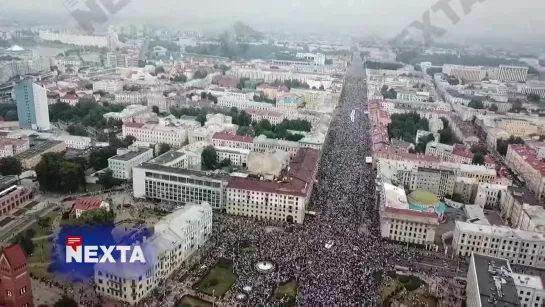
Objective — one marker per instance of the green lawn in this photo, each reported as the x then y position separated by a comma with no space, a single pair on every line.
42,252
19,212
39,272
191,301
218,280
287,291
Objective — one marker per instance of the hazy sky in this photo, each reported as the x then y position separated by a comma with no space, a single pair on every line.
495,18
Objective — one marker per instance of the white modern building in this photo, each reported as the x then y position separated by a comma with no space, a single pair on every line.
238,157
127,158
488,194
179,186
512,73
518,246
32,107
156,133
132,97
176,237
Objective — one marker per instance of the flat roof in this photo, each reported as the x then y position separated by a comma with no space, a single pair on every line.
38,149
130,155
167,157
530,281
495,284
501,231
187,172
523,196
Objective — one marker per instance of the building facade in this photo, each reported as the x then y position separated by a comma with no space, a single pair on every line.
32,107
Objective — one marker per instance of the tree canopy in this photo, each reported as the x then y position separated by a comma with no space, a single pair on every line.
478,158
381,65
476,104
502,145
405,126
55,173
10,166
87,113
163,147
209,158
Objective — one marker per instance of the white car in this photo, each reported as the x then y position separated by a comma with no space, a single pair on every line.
329,244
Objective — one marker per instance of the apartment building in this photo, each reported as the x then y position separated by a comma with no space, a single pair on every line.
488,194
10,147
532,87
118,59
463,131
180,159
522,209
530,290
404,219
518,127
512,73
176,237
12,198
437,181
264,144
465,188
518,246
523,160
462,154
179,186
440,150
127,158
108,86
31,157
284,198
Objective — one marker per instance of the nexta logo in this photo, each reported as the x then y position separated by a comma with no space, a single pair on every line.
76,252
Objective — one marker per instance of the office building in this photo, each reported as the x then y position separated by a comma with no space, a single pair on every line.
108,86
489,283
508,73
15,287
176,237
525,162
465,73
32,107
127,158
237,157
283,198
522,209
31,157
518,246
179,186
412,219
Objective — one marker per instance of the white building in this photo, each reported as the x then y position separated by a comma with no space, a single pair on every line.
109,86
180,159
176,237
122,163
127,114
156,133
518,246
466,73
488,194
240,104
530,289
532,87
179,186
512,73
238,157
32,106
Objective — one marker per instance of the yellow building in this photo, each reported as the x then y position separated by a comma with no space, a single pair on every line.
30,158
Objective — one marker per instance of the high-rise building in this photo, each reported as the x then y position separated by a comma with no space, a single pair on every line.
15,289
32,106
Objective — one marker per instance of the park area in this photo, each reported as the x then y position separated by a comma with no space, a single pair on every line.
287,293
192,301
407,290
218,280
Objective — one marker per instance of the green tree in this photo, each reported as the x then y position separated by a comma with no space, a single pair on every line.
445,121
209,158
179,79
423,142
204,95
11,115
321,88
98,158
77,130
163,147
97,216
155,109
446,136
10,166
199,74
493,108
66,301
533,97
225,162
159,70
476,104
478,158
294,137
107,180
502,145
246,131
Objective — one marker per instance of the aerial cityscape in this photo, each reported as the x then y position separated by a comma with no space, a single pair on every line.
167,160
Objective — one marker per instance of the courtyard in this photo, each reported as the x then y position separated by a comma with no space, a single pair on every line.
218,280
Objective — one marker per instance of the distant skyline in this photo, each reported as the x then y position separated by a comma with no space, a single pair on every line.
500,19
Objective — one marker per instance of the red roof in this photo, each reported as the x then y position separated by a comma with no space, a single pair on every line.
233,137
530,156
301,174
462,150
87,203
134,125
284,88
15,255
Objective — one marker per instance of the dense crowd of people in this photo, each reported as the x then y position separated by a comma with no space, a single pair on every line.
336,257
